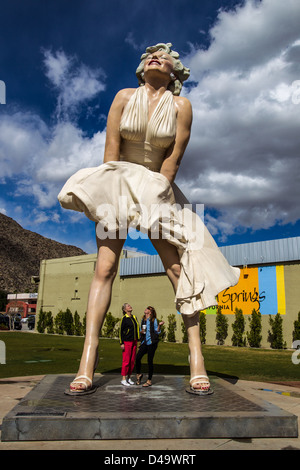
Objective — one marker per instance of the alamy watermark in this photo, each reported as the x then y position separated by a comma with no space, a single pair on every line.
167,221
2,92
2,353
296,354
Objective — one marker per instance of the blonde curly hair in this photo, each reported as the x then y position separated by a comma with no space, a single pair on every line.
181,72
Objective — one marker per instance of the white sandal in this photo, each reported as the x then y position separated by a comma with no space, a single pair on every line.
88,388
200,391
81,391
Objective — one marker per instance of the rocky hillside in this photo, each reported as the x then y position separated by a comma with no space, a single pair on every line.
21,252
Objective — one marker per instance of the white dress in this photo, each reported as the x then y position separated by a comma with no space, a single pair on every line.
132,193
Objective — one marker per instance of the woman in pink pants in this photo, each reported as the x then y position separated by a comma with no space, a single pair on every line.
129,335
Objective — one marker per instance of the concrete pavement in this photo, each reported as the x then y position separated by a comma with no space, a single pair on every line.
286,397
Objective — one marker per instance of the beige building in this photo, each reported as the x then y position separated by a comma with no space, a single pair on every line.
269,282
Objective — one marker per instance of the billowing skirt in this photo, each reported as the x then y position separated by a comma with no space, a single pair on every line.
123,195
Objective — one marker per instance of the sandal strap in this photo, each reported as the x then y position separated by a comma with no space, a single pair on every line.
82,377
200,377
147,384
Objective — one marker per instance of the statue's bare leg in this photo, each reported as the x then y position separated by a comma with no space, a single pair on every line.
170,259
98,303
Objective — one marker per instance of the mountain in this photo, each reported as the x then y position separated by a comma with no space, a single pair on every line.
21,252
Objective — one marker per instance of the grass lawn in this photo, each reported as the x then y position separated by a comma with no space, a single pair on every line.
38,354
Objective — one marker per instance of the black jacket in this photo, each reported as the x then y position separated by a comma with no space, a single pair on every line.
129,329
153,334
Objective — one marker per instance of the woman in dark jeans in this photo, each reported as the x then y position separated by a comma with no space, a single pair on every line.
150,329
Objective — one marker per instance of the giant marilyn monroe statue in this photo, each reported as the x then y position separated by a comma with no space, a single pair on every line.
148,129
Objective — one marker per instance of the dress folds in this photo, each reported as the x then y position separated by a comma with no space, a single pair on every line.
122,195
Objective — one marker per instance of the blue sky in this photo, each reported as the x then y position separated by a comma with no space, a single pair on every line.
63,61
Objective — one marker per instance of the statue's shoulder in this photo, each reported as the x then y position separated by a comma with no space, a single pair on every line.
182,101
183,105
125,94
121,98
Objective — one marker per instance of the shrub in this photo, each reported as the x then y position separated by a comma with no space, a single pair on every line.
64,322
276,335
41,324
49,323
221,327
254,337
77,324
59,323
171,328
84,325
108,330
68,322
296,332
163,333
202,327
238,327
45,322
184,333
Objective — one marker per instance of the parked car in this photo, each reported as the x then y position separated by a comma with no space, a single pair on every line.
18,322
4,322
31,322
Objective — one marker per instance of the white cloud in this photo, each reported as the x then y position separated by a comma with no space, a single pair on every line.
75,83
44,160
43,156
68,151
22,135
245,140
133,43
249,35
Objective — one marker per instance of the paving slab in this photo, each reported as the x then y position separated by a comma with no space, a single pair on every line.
163,411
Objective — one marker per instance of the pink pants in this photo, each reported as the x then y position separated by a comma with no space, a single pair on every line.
128,357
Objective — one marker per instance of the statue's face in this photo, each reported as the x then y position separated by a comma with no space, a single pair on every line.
159,60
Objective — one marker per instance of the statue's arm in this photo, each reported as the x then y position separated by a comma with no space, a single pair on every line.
113,137
176,151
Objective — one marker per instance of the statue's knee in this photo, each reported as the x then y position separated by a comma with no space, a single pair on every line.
106,272
176,270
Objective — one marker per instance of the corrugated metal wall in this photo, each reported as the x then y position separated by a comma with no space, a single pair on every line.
141,265
271,251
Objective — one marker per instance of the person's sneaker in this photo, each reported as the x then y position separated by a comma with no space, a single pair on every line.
130,381
124,382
